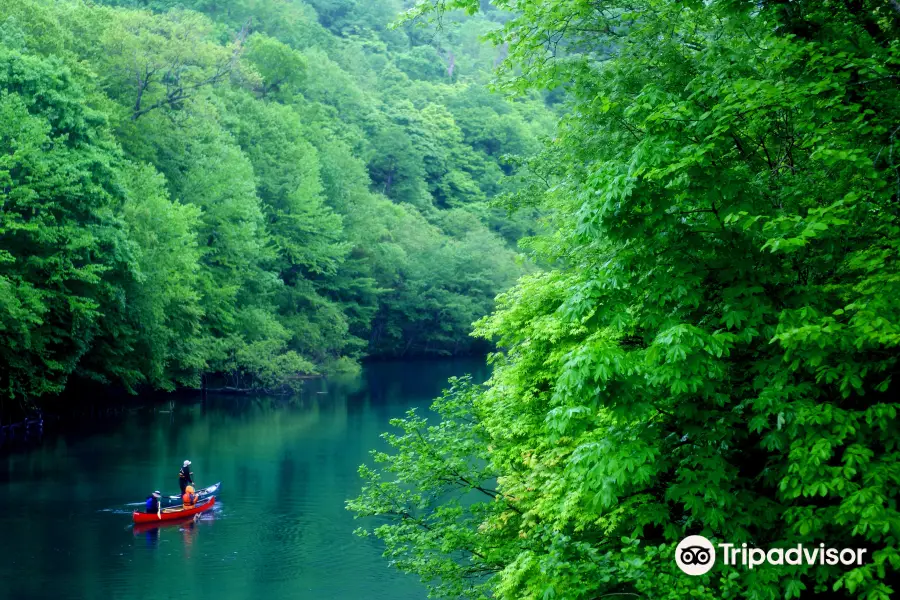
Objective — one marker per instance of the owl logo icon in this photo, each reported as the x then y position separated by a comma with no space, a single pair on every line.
695,555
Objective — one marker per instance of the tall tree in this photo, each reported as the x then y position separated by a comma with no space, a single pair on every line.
61,243
155,61
714,349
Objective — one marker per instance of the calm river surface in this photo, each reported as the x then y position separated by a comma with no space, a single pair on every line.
279,530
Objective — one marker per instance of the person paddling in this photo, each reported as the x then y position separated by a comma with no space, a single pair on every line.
185,476
153,505
189,498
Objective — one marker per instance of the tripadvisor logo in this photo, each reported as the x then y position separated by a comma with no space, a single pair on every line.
696,555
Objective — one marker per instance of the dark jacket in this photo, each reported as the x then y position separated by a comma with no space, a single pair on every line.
185,477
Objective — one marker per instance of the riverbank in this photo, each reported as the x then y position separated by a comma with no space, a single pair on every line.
27,431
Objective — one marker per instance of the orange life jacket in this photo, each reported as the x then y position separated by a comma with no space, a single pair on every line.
189,500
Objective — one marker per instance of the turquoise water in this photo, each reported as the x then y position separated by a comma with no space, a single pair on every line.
279,530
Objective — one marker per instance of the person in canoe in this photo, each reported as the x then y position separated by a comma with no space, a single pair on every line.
185,476
153,505
189,498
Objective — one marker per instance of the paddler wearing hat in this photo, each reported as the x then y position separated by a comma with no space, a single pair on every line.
153,503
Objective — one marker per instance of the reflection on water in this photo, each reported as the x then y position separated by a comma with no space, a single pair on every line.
185,523
279,528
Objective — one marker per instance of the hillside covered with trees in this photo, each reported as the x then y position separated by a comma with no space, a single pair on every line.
251,188
714,346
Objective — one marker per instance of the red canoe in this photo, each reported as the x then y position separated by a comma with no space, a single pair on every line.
170,514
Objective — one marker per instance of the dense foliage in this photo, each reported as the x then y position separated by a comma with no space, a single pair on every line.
255,189
713,351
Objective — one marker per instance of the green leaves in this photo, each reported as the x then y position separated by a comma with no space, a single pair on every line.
441,529
64,248
281,68
151,62
713,347
164,303
249,194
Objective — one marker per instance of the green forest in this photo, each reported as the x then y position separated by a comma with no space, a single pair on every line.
255,190
673,226
711,348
